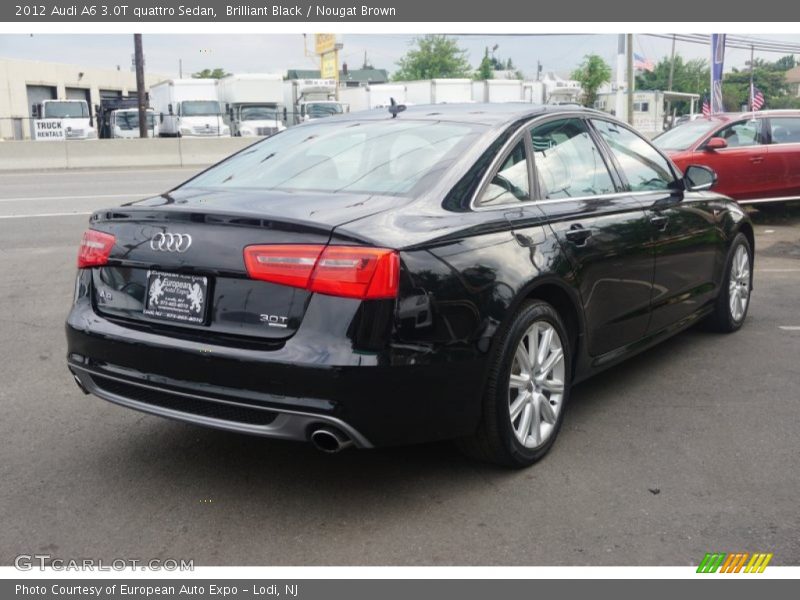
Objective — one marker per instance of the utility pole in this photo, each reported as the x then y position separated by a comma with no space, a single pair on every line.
752,78
629,57
141,101
669,81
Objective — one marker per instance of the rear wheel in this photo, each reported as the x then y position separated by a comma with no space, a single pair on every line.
734,295
528,387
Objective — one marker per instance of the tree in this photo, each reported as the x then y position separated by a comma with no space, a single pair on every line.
592,73
434,56
690,77
210,74
485,69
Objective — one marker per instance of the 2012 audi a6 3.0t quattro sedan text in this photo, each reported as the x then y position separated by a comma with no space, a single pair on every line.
448,272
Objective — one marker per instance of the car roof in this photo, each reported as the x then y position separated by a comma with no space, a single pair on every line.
492,114
734,116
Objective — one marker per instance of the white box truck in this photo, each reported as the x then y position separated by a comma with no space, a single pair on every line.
309,99
253,103
439,91
188,108
62,120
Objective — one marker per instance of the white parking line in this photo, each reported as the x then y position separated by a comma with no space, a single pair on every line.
29,216
789,327
82,197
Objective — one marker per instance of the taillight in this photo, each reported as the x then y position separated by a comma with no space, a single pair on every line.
349,271
95,248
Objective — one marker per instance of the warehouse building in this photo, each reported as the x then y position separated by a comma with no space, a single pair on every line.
24,83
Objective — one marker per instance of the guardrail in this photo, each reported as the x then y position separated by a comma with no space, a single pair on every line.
156,152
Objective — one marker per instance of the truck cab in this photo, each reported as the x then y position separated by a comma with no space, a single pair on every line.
73,117
247,120
319,109
124,123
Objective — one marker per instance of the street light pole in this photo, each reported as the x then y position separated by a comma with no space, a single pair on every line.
141,101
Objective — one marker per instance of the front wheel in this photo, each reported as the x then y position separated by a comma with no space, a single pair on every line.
527,390
733,300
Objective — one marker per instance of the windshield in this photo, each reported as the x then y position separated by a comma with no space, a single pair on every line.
382,157
200,108
684,136
317,111
66,110
130,120
259,113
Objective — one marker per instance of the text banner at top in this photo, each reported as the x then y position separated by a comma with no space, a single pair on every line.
441,11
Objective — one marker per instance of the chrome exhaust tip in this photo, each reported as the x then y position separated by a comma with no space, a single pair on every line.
329,440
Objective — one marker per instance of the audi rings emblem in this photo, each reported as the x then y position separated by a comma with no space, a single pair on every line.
171,242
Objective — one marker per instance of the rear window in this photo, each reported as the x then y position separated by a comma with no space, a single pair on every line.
381,157
684,136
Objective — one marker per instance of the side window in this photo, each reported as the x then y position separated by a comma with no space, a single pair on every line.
785,130
567,161
510,183
742,133
642,165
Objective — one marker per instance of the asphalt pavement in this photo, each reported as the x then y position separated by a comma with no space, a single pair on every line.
688,448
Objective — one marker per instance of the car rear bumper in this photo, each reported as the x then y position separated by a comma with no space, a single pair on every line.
396,396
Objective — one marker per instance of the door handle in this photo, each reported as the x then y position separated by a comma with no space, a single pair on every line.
660,222
756,159
578,235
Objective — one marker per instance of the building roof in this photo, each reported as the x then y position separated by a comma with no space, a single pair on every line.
359,75
793,75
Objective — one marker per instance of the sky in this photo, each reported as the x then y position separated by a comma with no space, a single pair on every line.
277,53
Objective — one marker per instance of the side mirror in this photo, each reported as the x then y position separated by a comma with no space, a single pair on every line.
285,114
169,109
161,117
716,143
35,111
698,178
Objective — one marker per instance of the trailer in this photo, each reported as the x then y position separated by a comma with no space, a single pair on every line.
372,96
253,103
499,90
439,91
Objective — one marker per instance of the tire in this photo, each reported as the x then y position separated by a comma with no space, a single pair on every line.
728,315
499,438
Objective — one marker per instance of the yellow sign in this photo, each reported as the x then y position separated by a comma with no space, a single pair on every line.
324,43
329,65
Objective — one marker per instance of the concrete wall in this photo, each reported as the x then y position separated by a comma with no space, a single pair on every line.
16,75
157,152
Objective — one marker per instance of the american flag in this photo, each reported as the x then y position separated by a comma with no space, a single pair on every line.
706,106
641,63
756,98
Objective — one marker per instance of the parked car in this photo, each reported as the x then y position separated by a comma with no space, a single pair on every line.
368,280
756,155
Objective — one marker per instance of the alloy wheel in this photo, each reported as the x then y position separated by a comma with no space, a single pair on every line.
739,283
536,384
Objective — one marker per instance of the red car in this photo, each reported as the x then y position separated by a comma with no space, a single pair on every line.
755,155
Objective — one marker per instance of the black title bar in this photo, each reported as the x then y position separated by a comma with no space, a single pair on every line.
443,11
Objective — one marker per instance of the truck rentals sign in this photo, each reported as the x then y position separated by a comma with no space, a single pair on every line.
48,130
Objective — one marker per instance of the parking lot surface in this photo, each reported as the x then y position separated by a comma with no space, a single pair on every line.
689,448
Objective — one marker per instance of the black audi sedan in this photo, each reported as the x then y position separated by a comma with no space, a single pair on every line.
381,278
